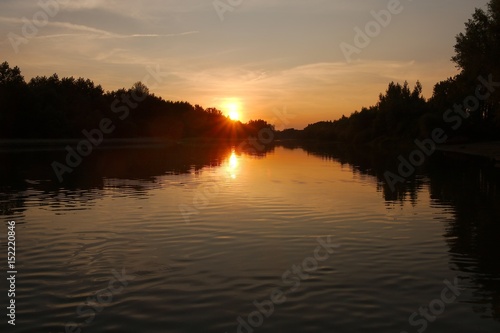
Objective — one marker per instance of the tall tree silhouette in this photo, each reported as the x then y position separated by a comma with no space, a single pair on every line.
477,53
13,99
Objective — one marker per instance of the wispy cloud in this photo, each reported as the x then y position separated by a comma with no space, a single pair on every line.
91,4
156,35
117,36
90,31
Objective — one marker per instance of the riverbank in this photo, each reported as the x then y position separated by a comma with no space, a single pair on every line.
489,151
24,145
41,145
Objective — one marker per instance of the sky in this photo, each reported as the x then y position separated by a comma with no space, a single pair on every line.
291,62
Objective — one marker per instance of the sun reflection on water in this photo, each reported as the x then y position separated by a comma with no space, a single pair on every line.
232,165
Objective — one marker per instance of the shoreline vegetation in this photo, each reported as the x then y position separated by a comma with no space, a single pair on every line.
488,151
48,112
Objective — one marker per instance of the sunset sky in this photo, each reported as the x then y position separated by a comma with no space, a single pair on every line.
269,56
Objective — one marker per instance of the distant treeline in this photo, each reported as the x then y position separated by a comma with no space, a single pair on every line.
466,106
54,108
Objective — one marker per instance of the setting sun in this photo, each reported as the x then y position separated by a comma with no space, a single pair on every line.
232,108
234,115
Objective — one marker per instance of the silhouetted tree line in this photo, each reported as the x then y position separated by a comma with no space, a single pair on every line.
394,116
403,114
54,108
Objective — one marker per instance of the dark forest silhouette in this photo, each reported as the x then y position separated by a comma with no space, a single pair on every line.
54,108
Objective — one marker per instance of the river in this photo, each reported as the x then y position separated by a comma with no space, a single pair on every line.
209,238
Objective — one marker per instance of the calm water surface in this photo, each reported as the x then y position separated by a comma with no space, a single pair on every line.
206,233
